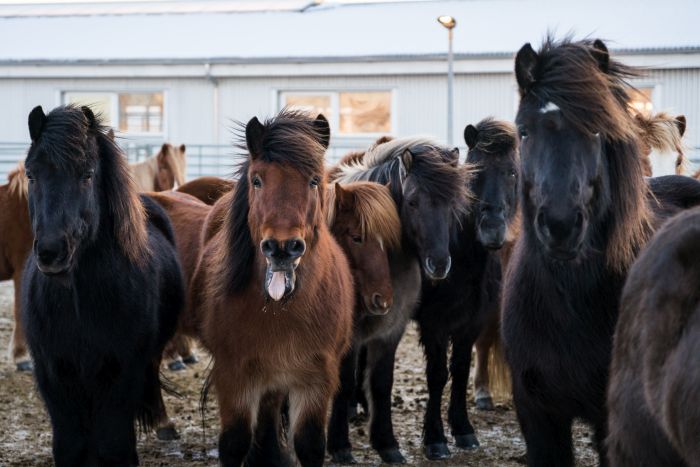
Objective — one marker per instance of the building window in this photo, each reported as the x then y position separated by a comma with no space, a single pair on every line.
350,113
131,112
641,100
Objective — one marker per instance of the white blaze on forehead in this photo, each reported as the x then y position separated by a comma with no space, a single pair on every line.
549,107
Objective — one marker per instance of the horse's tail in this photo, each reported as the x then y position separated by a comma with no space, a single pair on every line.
499,372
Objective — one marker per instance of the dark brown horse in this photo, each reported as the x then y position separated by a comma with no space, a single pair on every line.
654,389
15,244
207,189
276,291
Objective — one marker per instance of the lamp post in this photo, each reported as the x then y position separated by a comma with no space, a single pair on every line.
449,22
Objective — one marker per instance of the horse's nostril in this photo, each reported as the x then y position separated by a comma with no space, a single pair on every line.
579,220
268,247
47,256
379,302
541,222
429,265
296,247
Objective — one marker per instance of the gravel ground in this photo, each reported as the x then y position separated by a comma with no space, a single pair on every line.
25,434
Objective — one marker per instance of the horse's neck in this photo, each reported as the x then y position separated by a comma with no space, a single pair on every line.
144,173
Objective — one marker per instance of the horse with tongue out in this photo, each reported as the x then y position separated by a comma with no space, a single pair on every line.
276,295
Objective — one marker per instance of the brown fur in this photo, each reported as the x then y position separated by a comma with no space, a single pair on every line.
661,132
261,346
655,374
163,171
207,189
15,245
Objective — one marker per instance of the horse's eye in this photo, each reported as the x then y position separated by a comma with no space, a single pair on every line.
88,175
314,182
412,203
29,175
257,183
513,173
522,131
357,239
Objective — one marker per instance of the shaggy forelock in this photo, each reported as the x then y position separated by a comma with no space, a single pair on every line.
495,136
593,101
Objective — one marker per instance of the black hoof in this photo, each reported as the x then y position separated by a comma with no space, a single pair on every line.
191,359
467,441
167,433
343,457
485,403
437,451
25,366
392,456
176,365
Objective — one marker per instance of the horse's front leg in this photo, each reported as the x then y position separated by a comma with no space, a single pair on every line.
379,384
339,445
484,343
434,441
457,414
18,345
238,410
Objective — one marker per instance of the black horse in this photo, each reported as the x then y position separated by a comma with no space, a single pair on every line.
101,292
457,308
586,214
429,190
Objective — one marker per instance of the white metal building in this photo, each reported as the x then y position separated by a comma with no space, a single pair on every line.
183,71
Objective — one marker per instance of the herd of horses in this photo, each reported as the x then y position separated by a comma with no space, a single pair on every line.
300,279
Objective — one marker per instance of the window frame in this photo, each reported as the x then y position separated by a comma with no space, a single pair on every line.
114,94
334,118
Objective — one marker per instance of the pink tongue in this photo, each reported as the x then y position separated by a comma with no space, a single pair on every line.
276,286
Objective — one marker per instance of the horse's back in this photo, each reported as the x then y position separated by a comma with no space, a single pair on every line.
672,194
656,347
207,189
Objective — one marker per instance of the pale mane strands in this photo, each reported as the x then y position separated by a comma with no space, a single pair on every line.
660,131
18,182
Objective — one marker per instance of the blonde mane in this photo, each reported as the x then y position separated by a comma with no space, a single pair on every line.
374,207
177,163
18,182
660,132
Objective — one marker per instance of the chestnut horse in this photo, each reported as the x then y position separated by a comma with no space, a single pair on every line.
101,292
15,244
162,171
207,189
654,389
276,293
662,144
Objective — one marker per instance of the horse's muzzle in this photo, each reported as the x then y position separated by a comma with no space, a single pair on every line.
54,257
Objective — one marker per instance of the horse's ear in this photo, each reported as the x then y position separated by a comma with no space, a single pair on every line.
37,119
183,148
90,116
470,136
254,131
110,134
344,199
407,160
601,54
323,129
680,123
525,66
454,157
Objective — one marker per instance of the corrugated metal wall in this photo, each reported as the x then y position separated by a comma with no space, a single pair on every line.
420,101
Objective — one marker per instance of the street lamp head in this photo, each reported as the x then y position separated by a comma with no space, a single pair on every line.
448,21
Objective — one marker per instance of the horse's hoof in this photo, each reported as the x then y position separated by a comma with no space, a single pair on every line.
344,457
437,451
25,366
392,456
167,433
191,359
467,441
484,403
176,365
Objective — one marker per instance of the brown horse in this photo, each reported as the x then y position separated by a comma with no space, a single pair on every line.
207,189
162,171
276,293
654,389
661,144
15,244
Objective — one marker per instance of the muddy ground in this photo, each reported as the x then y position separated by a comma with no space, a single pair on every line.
25,434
